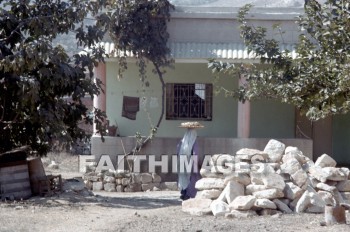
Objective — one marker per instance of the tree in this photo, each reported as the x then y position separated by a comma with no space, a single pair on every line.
36,75
317,81
139,29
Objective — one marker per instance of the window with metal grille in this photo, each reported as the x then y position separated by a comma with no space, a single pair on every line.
189,101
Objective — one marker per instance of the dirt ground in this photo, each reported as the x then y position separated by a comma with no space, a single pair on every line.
148,211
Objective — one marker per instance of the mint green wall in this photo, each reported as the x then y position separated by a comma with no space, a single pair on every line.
341,138
272,119
224,123
268,118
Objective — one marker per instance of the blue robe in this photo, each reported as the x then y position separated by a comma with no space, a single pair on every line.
190,191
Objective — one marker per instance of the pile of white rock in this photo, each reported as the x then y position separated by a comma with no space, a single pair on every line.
111,181
277,180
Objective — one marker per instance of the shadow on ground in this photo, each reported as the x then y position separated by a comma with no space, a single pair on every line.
147,200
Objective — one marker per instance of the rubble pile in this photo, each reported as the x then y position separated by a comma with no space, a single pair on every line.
277,180
126,182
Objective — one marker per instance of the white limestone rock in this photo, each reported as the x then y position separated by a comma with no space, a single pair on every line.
317,203
275,150
275,166
156,178
303,202
306,166
273,180
327,197
88,184
97,186
242,167
251,188
248,154
172,186
256,178
197,206
136,178
241,178
118,181
232,190
325,187
310,202
205,172
338,197
136,187
282,206
292,191
335,174
149,186
264,204
343,186
299,178
91,176
318,173
291,149
291,166
209,194
314,209
346,197
220,171
325,161
210,183
222,160
346,171
120,188
146,178
269,194
242,202
285,176
292,205
109,179
219,208
295,153
127,189
126,181
312,181
110,187
263,168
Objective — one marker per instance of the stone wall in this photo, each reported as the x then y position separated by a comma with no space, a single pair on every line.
126,182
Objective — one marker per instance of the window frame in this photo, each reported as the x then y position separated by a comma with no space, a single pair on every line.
171,102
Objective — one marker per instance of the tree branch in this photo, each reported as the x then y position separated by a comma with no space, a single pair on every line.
142,144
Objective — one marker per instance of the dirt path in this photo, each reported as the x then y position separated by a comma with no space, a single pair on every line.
134,212
149,211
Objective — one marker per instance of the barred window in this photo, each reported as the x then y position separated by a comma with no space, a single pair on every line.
189,101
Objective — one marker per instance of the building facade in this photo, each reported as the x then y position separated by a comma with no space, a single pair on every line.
198,33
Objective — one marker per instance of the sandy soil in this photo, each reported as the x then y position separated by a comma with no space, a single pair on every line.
148,211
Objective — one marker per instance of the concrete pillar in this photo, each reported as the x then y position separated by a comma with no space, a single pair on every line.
243,119
100,100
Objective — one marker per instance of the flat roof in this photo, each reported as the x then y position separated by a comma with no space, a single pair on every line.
240,3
